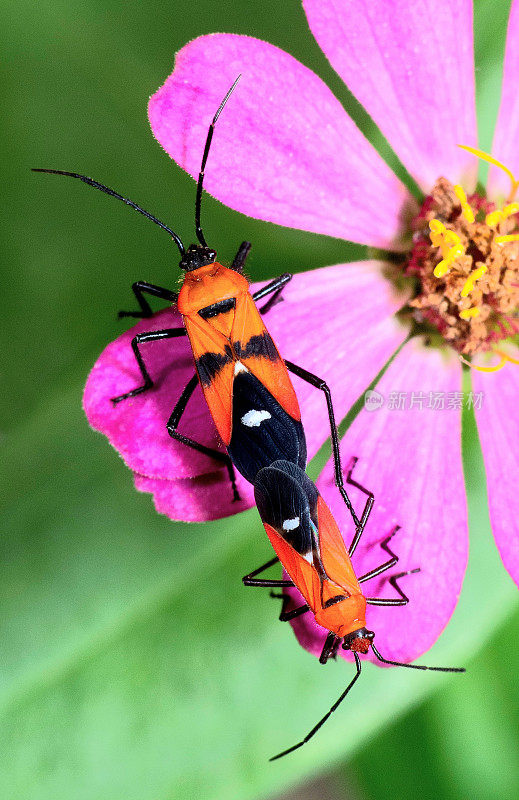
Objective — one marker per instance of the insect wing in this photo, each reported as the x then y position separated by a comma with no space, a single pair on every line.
303,574
286,499
257,351
215,367
333,553
262,431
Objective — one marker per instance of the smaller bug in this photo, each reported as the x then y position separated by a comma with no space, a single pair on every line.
309,545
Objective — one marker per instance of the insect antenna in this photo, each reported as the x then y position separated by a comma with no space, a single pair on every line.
112,193
415,666
323,720
199,187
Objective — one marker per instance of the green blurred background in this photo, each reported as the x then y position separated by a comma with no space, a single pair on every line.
133,664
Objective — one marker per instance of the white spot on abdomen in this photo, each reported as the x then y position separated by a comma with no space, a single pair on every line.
253,418
291,524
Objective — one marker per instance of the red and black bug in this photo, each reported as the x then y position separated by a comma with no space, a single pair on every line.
243,377
309,545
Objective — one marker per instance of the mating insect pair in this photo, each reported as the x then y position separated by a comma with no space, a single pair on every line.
253,404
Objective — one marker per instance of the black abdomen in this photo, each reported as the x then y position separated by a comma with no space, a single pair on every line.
262,431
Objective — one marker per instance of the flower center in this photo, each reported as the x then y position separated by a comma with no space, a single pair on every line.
466,256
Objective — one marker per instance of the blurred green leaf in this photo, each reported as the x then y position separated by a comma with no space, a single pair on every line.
134,659
461,743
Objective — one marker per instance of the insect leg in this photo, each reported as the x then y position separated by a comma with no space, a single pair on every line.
330,647
251,580
274,288
323,720
200,448
285,616
387,564
319,383
141,287
365,513
151,336
336,646
377,601
241,257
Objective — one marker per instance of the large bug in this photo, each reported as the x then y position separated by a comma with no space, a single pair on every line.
309,545
243,377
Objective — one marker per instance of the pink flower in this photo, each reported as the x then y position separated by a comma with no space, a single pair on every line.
286,151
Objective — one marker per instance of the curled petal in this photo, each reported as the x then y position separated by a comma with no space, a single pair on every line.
498,425
136,427
284,149
202,499
506,133
411,460
411,65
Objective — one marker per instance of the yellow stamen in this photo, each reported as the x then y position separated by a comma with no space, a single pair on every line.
473,277
468,313
512,237
491,160
465,207
505,355
484,369
449,244
495,217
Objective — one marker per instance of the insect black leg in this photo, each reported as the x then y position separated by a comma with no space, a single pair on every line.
365,513
251,580
241,257
274,288
330,647
141,287
285,616
151,336
376,601
323,720
319,383
335,649
387,564
200,448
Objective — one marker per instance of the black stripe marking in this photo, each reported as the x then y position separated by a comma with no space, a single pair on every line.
218,308
209,365
337,599
260,346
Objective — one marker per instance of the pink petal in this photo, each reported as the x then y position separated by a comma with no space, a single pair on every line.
498,426
284,149
200,500
136,427
506,133
337,322
340,325
411,65
411,460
